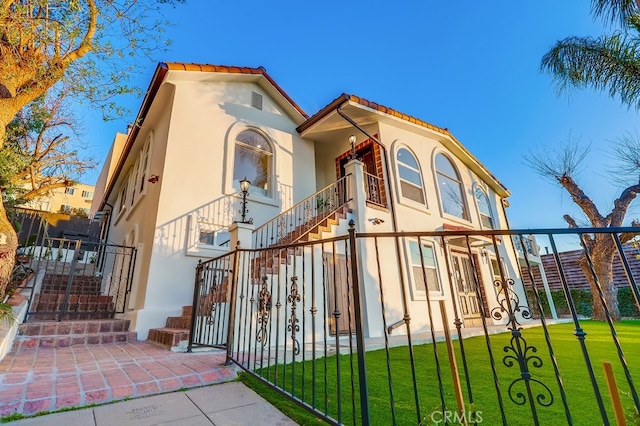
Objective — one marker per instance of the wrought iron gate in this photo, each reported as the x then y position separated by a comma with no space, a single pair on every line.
74,279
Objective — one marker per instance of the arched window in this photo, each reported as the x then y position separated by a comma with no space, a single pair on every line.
484,208
451,189
253,160
410,177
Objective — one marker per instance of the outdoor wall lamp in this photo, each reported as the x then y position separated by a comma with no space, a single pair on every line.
483,253
153,179
352,141
244,187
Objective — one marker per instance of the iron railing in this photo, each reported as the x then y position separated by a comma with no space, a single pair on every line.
293,224
77,279
470,349
373,189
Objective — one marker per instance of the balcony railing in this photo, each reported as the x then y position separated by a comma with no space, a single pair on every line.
302,218
373,188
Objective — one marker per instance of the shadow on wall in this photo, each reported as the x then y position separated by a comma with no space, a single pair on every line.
182,234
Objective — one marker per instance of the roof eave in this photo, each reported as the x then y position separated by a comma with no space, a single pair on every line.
156,82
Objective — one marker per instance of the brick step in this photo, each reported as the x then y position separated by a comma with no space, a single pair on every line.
77,303
187,311
168,337
57,334
71,316
73,297
177,330
50,328
61,341
75,289
183,322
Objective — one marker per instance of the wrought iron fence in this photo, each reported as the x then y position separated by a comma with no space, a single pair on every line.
291,225
424,328
76,279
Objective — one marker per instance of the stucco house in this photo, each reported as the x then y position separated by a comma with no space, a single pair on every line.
172,187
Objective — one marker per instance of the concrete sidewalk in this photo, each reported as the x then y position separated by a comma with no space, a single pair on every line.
224,404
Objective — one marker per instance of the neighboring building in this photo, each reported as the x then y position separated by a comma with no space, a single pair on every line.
172,186
65,200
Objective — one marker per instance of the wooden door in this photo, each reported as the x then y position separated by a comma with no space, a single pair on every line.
465,285
339,296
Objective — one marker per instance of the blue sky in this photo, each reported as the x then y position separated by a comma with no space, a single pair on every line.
472,67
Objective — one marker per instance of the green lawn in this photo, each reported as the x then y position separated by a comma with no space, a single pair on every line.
298,378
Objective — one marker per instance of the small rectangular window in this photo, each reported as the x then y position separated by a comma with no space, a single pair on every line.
423,265
207,237
69,191
256,100
216,238
87,194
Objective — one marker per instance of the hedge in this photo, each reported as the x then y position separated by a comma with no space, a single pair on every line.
583,301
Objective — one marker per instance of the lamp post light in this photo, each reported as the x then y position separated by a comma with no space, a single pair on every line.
244,187
352,141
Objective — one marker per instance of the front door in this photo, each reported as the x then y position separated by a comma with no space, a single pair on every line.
339,298
465,285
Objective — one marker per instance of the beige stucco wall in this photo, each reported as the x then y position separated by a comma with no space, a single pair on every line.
194,130
193,126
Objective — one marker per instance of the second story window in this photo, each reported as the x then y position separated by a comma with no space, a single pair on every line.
69,191
122,199
450,188
87,194
484,208
144,166
253,160
410,176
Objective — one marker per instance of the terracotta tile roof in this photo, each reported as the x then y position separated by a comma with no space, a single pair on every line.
345,97
180,66
154,86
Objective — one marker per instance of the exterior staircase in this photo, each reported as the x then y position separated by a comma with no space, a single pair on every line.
86,300
57,334
266,261
175,332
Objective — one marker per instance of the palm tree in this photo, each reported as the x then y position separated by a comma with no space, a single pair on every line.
609,63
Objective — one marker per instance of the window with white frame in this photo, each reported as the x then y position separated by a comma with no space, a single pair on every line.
411,186
450,188
212,235
144,166
87,194
133,178
69,191
122,198
253,159
423,267
484,208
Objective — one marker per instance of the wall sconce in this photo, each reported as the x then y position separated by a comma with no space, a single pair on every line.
484,254
352,141
376,220
244,187
153,179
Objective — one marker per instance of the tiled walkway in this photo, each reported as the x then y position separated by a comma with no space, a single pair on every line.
40,379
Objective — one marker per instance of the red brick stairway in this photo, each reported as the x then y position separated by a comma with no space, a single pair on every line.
86,300
176,331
